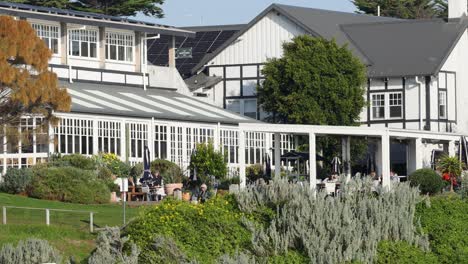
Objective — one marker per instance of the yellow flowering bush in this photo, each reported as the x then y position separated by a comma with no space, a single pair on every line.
204,232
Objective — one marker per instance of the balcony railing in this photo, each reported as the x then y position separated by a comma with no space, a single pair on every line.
96,75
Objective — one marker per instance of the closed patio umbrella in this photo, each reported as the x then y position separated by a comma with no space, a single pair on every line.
336,165
146,166
267,167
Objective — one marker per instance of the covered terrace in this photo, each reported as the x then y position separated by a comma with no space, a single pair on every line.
416,141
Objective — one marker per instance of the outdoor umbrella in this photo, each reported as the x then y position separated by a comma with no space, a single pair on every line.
146,166
464,148
267,167
336,164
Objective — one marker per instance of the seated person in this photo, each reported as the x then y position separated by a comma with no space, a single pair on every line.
202,195
147,178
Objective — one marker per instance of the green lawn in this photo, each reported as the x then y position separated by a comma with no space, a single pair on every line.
68,232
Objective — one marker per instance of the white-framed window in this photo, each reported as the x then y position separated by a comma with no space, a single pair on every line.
378,106
246,107
50,34
395,105
442,104
119,46
83,43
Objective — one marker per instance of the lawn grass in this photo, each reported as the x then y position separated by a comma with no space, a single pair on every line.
68,232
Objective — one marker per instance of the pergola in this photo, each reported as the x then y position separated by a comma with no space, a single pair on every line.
383,136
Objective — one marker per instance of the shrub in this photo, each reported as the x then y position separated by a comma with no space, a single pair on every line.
208,163
254,172
165,250
427,180
331,230
16,180
29,251
110,248
68,184
170,172
74,160
202,232
445,220
137,171
404,253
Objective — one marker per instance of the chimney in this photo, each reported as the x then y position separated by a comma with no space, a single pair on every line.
457,8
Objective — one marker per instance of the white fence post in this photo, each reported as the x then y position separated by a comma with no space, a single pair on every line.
47,217
91,220
4,215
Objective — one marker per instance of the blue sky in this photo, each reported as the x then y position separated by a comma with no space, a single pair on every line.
218,12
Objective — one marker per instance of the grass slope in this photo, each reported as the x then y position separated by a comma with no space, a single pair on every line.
68,232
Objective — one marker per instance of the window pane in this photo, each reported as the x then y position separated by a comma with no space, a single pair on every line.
54,46
75,48
121,53
129,54
395,111
84,49
93,50
113,52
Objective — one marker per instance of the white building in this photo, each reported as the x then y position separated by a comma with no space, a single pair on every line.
121,104
415,67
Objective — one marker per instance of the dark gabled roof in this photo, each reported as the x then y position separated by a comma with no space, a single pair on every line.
207,40
405,48
317,22
87,18
133,102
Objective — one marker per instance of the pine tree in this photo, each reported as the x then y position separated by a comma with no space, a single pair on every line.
27,87
108,7
406,9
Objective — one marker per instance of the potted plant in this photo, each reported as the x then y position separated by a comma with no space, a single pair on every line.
452,167
234,186
187,195
171,174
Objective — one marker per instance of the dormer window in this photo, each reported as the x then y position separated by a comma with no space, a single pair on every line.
119,46
49,34
83,43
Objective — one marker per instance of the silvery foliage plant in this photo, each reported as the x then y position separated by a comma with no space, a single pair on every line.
30,251
110,249
332,229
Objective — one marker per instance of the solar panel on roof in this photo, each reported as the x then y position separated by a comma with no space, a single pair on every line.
203,43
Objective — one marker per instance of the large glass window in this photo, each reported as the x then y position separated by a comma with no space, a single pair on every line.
378,106
396,105
74,136
250,108
442,104
160,141
119,46
109,137
49,34
83,43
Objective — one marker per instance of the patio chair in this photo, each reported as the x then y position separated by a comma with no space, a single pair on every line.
330,188
132,191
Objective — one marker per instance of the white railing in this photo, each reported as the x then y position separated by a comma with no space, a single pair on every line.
47,214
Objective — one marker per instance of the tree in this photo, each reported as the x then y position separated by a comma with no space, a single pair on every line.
452,166
316,82
108,7
27,87
406,9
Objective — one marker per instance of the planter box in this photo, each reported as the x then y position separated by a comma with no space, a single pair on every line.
234,188
169,188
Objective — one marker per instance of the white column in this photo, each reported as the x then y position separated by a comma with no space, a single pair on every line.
51,140
312,161
385,160
172,54
451,148
346,154
95,137
123,142
242,177
277,155
216,134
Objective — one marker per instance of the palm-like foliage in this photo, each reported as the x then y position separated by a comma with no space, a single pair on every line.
452,166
